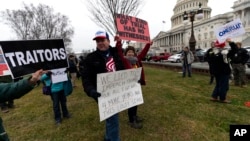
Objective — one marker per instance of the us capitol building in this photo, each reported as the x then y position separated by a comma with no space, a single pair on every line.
179,34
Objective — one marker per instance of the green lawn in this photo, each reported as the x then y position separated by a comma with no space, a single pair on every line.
174,109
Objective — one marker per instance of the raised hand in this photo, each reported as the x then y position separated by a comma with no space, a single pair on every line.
228,40
117,38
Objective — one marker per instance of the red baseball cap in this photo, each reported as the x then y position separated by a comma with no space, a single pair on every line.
101,35
218,44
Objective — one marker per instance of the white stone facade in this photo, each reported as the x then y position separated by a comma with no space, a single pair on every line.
178,36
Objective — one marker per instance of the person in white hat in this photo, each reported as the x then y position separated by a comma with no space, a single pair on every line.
105,59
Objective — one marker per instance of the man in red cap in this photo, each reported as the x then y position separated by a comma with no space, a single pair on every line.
221,69
105,59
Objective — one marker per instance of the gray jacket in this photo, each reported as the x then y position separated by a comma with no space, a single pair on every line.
190,57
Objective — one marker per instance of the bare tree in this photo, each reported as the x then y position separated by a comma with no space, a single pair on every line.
103,11
39,22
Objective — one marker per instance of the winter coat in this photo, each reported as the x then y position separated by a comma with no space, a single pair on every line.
240,56
219,60
56,87
10,91
190,57
94,64
140,56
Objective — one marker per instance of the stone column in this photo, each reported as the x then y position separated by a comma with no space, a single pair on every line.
242,14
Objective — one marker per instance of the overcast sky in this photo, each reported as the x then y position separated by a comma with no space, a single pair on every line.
154,11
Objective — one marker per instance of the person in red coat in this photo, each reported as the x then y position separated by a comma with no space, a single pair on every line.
132,60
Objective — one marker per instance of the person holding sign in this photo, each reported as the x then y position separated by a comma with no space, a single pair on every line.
219,58
105,59
10,91
58,97
135,61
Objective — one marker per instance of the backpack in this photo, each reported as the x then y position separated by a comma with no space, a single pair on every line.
46,89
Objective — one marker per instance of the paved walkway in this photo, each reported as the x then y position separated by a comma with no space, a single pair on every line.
196,65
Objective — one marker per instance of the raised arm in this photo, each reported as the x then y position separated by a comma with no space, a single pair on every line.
10,91
233,46
144,51
118,46
120,53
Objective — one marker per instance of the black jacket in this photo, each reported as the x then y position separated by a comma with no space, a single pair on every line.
217,63
240,56
94,64
208,58
218,66
72,67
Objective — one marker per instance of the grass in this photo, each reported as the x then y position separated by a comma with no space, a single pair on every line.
174,109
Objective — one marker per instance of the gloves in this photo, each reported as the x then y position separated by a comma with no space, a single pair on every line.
117,38
94,94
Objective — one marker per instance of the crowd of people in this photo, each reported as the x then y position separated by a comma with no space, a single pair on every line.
105,59
224,64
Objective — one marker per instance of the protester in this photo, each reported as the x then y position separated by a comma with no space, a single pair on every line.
135,62
221,69
10,91
239,61
187,58
208,59
58,97
105,59
81,63
73,70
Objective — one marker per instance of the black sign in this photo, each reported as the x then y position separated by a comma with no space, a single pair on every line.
27,56
239,132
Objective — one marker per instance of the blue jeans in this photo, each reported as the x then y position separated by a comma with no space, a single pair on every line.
58,99
186,67
221,87
112,128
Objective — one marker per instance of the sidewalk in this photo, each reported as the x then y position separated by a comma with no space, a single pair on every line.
200,67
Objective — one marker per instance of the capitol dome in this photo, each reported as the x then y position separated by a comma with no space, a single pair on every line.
188,5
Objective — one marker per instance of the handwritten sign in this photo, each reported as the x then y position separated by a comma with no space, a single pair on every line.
132,28
229,30
59,75
119,90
